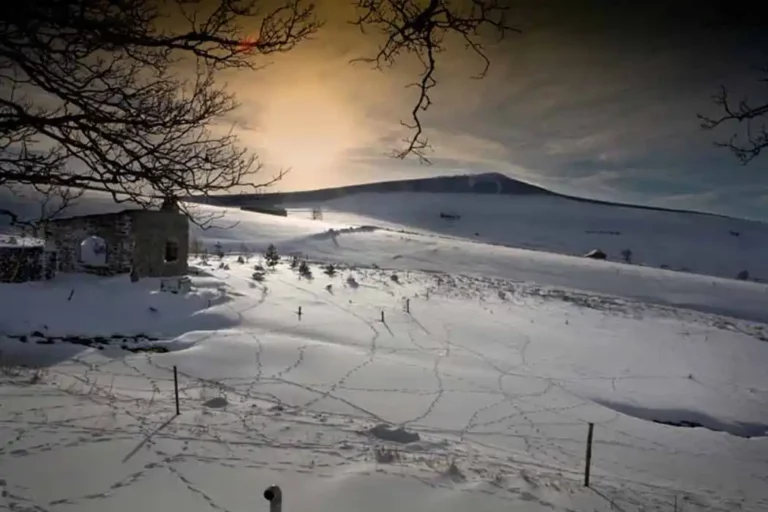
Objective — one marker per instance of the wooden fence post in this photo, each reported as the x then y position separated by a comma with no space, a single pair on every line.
176,389
589,454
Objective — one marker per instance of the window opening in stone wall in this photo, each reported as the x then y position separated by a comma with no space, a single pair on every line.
93,251
171,251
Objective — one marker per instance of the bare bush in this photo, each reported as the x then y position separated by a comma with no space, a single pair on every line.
386,455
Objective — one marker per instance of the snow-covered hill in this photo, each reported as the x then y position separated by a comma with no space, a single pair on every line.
495,209
427,373
394,249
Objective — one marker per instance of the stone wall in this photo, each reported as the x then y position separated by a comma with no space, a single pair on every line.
134,238
155,234
21,264
114,228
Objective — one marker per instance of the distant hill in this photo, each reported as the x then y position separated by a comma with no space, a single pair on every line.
491,183
488,183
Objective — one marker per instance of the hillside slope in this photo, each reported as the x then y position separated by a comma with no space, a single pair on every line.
495,209
705,244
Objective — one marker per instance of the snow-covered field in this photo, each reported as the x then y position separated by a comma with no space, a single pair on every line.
690,242
371,245
478,397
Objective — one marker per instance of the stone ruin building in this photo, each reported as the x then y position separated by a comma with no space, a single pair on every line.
144,243
22,259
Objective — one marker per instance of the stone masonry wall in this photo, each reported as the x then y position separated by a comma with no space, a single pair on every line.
114,228
21,264
152,230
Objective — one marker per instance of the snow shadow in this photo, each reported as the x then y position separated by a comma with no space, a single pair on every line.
53,321
689,419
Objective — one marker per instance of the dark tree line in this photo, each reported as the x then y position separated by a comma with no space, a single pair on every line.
120,96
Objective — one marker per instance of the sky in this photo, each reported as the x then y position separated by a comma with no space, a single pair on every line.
593,98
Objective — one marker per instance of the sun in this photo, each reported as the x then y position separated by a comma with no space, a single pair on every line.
306,129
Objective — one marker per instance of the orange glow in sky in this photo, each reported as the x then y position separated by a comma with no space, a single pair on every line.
247,44
308,128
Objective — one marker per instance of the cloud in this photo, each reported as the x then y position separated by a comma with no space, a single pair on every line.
596,99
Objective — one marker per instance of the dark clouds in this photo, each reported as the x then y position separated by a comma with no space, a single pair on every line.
596,98
600,99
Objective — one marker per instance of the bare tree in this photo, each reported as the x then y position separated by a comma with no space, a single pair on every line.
119,96
421,28
746,118
49,201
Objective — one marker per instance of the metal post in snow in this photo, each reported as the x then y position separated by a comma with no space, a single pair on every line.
176,389
589,454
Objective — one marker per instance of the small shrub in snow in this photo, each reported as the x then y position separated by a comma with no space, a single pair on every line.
743,275
454,473
223,266
271,257
352,282
395,278
304,270
258,267
295,262
329,270
8,368
218,250
258,276
240,260
626,254
37,376
386,455
329,288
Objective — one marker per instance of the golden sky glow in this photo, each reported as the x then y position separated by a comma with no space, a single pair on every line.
307,127
579,94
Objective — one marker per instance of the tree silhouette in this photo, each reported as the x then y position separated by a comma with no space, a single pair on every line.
746,118
120,96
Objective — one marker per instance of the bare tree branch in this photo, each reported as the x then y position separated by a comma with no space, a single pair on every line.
748,117
119,95
420,28
50,202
